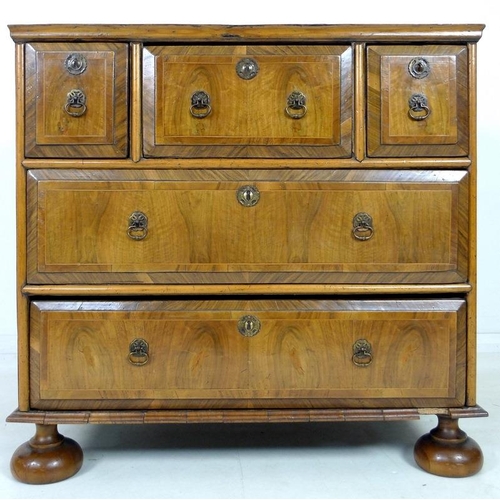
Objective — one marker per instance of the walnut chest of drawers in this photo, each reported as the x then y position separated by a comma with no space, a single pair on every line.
245,224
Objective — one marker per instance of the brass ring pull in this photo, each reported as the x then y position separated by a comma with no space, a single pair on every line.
362,356
249,326
138,352
75,103
200,104
137,226
419,109
296,105
362,226
248,196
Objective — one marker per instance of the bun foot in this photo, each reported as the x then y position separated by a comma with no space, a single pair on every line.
48,457
448,451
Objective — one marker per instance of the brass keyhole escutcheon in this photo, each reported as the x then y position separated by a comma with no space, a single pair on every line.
247,68
248,196
249,325
75,64
419,68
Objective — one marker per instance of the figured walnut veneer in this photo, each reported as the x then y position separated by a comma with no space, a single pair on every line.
198,230
302,354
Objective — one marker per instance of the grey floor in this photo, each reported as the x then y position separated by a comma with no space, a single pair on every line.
341,460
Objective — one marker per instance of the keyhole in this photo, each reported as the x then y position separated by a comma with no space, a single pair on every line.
248,196
419,68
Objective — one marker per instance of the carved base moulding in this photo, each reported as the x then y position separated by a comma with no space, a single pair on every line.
50,457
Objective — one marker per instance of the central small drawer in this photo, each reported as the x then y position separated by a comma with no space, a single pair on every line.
241,227
248,101
230,353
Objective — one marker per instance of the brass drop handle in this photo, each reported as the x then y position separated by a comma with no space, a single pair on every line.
296,105
137,226
419,108
248,196
200,104
249,326
138,352
75,103
362,226
362,353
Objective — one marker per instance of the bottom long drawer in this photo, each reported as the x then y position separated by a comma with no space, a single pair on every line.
247,354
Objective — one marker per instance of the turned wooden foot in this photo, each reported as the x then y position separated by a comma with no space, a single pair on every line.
48,457
448,451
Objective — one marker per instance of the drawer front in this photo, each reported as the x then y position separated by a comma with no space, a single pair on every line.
76,100
184,354
247,101
418,100
300,227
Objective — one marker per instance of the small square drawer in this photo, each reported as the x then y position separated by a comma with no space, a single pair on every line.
77,100
247,101
167,226
418,100
232,353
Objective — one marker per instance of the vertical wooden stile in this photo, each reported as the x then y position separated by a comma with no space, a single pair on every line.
472,296
359,101
135,103
22,302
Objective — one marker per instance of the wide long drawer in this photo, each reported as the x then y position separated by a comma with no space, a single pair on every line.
226,353
247,227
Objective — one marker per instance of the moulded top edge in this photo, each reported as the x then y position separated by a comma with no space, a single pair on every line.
165,33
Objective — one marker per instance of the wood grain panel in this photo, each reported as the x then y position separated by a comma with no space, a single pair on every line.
391,130
102,130
247,116
302,352
79,226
